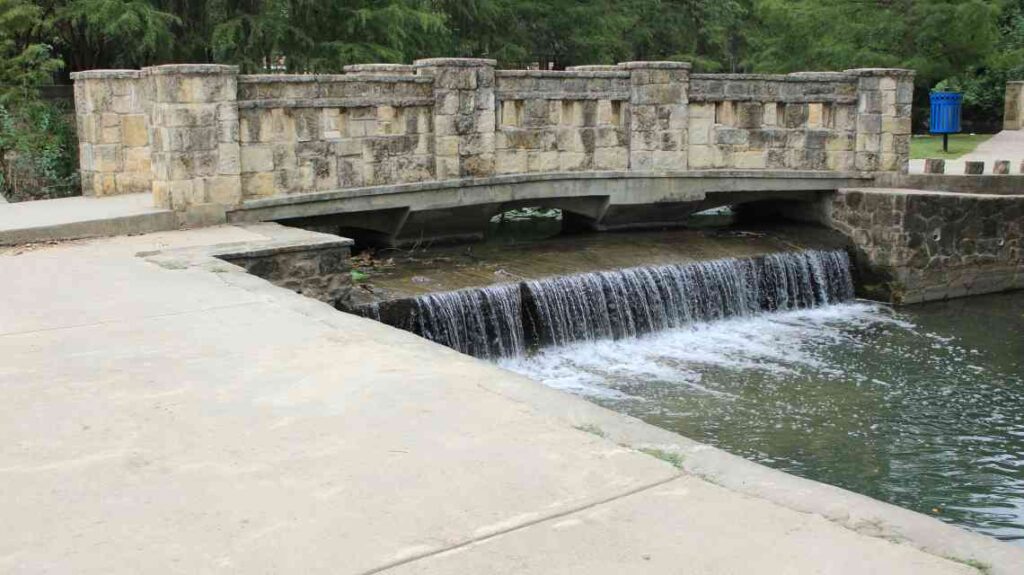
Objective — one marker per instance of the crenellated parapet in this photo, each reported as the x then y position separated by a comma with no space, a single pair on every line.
203,138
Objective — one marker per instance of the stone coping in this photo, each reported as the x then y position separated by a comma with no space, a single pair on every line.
798,77
380,68
455,62
330,78
594,68
559,95
656,65
611,72
195,69
902,72
543,177
106,75
397,101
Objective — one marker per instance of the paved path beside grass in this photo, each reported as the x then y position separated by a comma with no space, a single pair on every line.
1006,145
200,420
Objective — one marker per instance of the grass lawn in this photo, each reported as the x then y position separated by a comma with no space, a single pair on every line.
922,147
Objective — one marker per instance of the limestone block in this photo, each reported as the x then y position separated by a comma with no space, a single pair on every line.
934,166
512,162
769,114
569,140
795,115
604,112
347,147
285,156
974,168
749,115
104,184
731,136
611,159
842,160
751,160
701,157
137,160
702,112
258,185
542,161
669,160
161,194
1001,167
610,137
133,130
257,158
890,162
85,159
700,131
870,102
228,159
107,158
815,115
572,161
481,165
224,190
642,160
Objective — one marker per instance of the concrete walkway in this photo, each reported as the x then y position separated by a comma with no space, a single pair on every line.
82,217
161,420
1006,145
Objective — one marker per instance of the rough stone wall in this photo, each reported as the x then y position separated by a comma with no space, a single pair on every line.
915,246
113,132
802,121
551,121
1013,114
204,139
303,134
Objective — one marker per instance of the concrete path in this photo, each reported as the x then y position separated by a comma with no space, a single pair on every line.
166,420
1006,145
82,217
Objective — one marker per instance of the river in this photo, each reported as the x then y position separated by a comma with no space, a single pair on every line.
922,406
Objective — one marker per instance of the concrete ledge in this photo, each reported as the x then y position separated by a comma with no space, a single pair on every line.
82,217
766,175
979,184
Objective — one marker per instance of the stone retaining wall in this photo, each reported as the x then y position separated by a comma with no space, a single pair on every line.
914,246
204,139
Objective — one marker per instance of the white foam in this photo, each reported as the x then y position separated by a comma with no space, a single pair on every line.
772,343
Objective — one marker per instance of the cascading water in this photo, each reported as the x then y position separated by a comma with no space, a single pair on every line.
503,320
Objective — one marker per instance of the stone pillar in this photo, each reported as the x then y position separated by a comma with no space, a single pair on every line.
464,116
113,132
1013,115
884,100
657,116
196,160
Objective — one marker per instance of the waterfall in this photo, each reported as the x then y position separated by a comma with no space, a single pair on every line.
504,320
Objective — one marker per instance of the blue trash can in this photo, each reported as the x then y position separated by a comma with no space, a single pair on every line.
945,115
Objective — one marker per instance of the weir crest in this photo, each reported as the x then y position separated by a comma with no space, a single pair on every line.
506,320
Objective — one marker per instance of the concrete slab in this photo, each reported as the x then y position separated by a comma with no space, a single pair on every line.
684,526
82,217
167,420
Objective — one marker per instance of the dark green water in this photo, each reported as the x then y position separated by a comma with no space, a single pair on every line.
921,407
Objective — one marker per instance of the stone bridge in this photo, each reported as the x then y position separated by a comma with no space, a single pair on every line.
394,152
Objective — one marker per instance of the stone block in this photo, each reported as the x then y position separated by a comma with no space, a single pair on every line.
701,157
611,159
224,190
573,161
749,115
751,160
795,116
934,166
479,166
229,159
731,136
107,158
974,168
1001,167
256,158
511,162
133,130
702,112
842,161
669,160
542,161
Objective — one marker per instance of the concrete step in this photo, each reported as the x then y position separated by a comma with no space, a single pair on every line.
82,217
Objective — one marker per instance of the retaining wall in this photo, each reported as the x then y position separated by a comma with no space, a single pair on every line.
914,246
204,138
